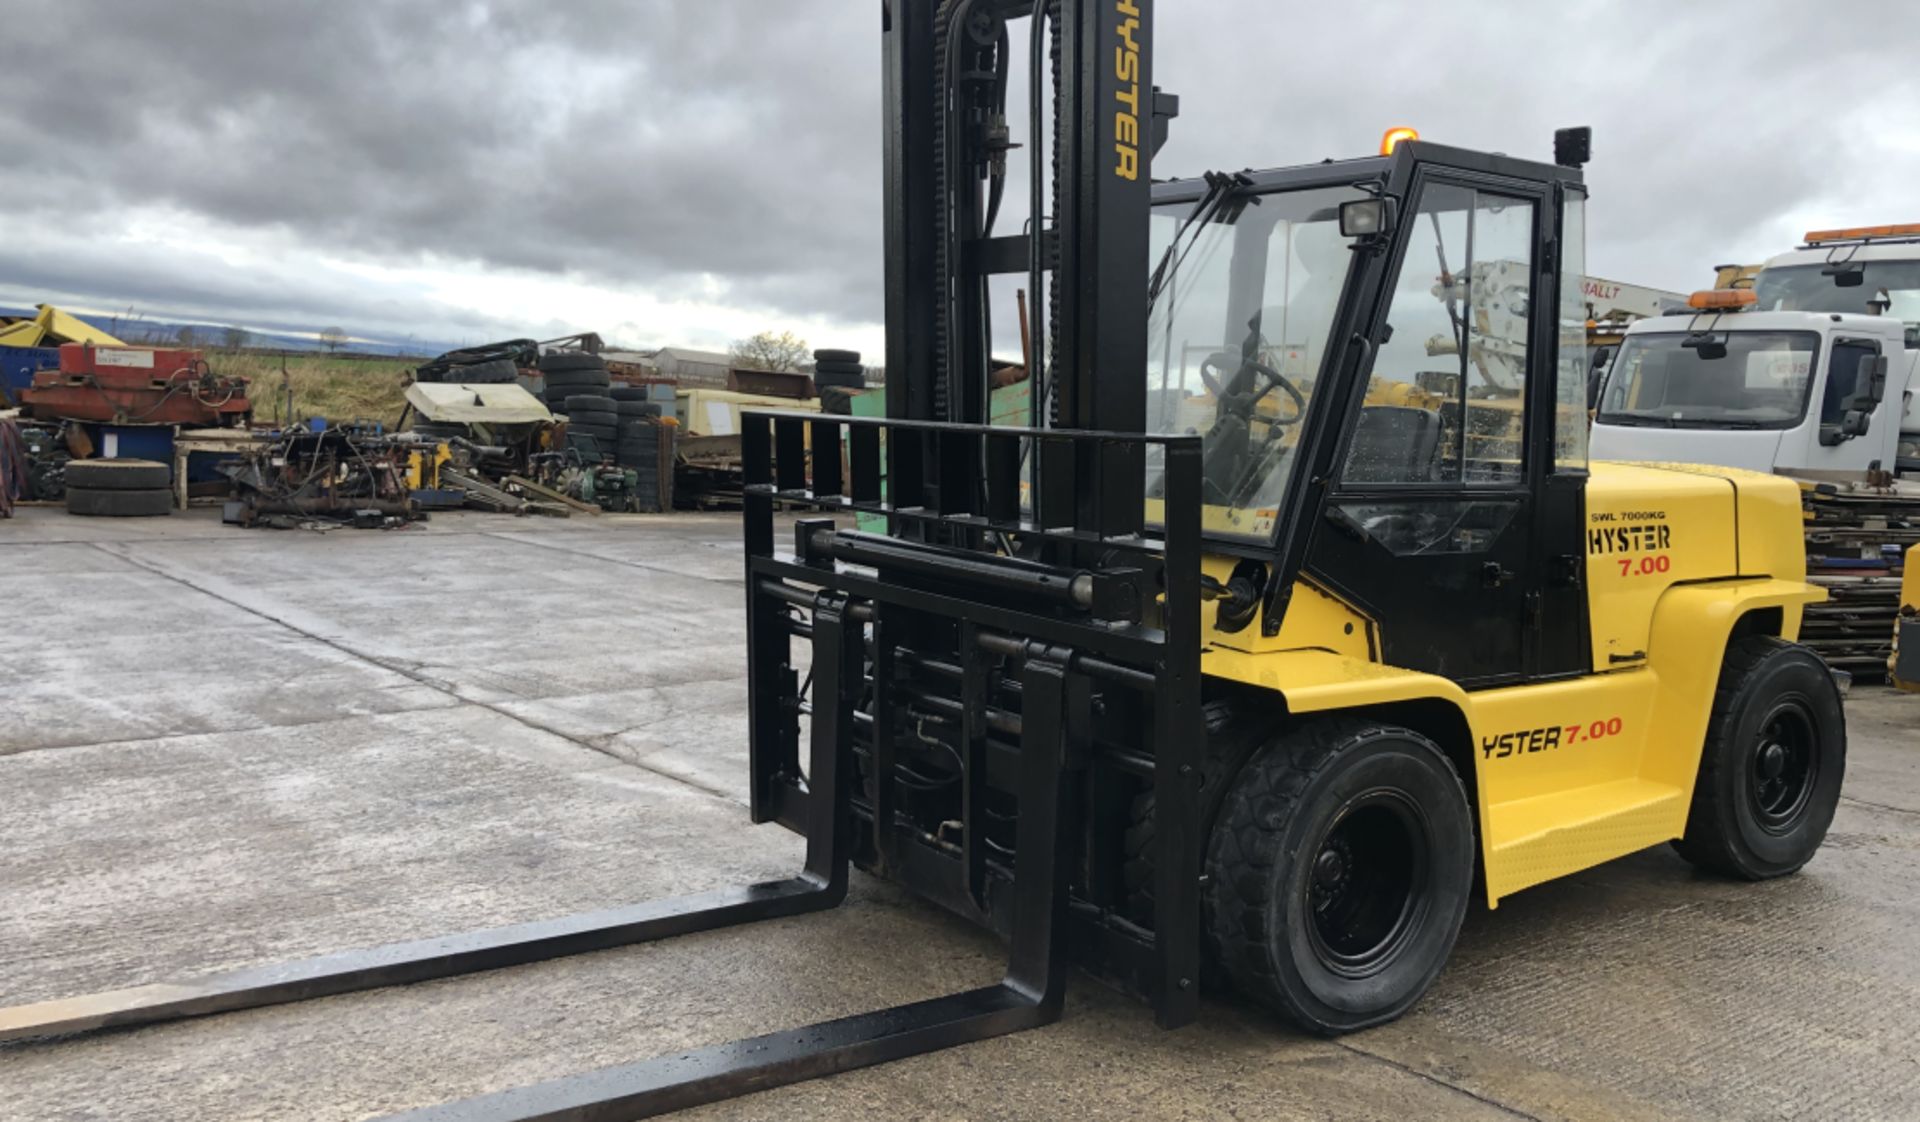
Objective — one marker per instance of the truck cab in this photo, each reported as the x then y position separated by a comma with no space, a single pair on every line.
1810,393
1862,284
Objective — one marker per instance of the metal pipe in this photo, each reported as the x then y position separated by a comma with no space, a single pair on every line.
1075,588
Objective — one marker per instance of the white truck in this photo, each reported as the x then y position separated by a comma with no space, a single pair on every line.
1811,373
1781,386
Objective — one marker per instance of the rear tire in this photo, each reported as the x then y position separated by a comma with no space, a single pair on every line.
1339,873
118,475
1772,765
119,504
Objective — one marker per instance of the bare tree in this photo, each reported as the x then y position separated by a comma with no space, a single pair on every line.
767,351
233,338
333,339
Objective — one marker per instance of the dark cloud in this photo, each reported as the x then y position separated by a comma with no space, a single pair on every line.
668,147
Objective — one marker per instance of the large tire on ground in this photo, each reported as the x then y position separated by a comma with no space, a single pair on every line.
630,410
571,360
496,373
1338,873
1770,771
119,504
118,475
591,403
828,354
593,418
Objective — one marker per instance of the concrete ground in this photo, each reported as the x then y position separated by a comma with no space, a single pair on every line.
223,747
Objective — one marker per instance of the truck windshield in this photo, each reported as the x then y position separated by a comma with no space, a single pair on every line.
1889,288
1236,334
1759,382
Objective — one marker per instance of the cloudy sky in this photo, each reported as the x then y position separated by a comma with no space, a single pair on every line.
691,171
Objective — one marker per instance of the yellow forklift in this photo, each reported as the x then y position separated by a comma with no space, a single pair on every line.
1232,665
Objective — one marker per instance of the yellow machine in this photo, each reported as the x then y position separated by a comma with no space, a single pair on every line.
51,327
1904,672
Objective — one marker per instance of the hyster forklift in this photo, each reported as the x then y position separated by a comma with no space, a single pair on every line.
1294,620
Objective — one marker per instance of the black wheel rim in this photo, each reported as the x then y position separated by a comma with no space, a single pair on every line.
1783,766
1366,888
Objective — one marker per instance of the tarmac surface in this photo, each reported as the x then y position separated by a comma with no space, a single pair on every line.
221,748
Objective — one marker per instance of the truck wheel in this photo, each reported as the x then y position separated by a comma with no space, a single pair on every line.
1771,767
1339,873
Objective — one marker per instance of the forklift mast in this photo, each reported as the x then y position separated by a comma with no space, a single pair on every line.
954,681
1095,121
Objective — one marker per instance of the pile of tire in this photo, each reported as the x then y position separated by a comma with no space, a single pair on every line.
838,370
119,488
567,374
593,414
646,450
837,377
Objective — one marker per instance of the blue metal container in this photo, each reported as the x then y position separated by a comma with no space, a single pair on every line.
18,365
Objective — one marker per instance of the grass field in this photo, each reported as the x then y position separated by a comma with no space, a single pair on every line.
337,387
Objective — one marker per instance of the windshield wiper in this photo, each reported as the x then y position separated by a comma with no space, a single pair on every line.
1220,187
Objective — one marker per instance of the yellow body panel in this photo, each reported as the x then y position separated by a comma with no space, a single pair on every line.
53,327
1571,773
1909,611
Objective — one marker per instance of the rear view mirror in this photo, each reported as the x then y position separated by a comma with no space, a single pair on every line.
1707,344
1846,274
1870,387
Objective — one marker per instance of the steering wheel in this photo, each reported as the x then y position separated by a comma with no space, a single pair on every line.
1273,378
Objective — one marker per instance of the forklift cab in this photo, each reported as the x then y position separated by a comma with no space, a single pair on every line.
1385,360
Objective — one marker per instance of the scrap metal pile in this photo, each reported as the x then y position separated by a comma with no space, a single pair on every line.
353,474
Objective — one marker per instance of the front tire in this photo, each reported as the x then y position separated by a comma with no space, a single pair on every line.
1339,873
1772,765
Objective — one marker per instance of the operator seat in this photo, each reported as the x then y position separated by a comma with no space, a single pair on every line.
1393,444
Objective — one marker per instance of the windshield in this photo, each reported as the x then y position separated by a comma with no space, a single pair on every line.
1236,337
1890,288
1758,380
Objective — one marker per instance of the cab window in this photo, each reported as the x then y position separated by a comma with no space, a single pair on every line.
1446,402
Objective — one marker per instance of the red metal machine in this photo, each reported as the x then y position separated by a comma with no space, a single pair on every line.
137,386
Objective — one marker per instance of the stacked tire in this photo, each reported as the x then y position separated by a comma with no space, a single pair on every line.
119,488
646,450
595,415
838,370
568,374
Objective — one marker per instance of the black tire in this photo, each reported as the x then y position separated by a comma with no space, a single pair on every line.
118,475
637,408
592,403
837,401
592,417
560,386
1772,765
840,367
495,373
572,360
120,504
824,381
630,393
828,354
605,434
1338,873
